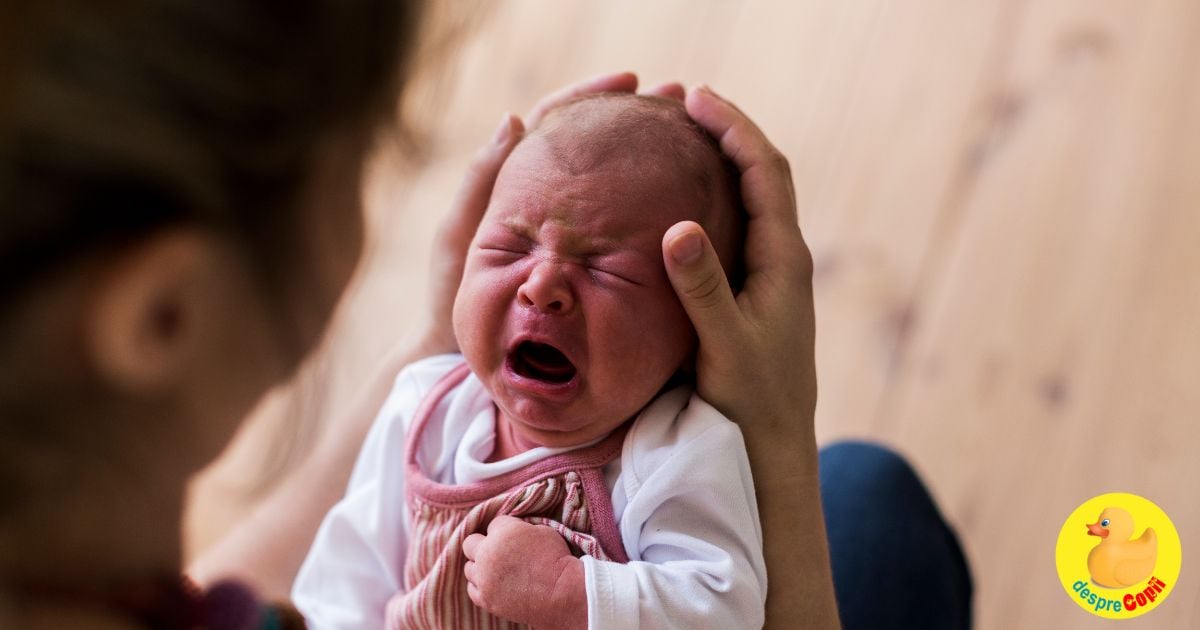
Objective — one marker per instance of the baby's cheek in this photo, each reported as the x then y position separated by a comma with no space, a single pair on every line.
652,338
478,311
677,338
670,317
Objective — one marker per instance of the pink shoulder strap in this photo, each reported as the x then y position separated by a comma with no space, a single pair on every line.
589,461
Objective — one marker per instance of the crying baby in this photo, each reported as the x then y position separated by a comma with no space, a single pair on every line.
560,472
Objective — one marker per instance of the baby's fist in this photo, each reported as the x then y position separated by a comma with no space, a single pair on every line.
525,573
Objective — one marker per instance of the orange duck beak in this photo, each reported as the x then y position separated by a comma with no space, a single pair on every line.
1094,529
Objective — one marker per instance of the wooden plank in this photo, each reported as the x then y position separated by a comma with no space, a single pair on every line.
1002,201
1051,355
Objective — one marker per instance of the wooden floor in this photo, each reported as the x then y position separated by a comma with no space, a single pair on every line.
1003,201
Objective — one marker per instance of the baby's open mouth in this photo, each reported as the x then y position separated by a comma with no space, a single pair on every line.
542,362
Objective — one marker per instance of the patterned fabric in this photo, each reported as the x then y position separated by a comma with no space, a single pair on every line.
566,492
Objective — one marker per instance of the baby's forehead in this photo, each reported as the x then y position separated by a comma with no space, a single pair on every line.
628,179
636,154
609,201
614,197
655,135
629,142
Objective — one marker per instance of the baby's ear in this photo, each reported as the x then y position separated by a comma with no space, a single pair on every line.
686,373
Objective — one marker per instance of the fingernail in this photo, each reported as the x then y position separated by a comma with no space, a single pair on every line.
686,249
704,87
504,130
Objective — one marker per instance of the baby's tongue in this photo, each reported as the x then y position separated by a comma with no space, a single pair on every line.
548,362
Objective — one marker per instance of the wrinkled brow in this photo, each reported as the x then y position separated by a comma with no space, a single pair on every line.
568,239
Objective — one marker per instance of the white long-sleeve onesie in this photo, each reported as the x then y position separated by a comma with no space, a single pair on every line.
681,493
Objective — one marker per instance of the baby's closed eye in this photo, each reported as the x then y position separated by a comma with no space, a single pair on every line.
622,267
498,249
602,274
504,244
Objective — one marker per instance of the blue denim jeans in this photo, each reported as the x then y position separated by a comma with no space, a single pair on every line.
896,563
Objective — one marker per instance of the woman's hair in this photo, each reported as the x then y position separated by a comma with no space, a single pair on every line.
122,117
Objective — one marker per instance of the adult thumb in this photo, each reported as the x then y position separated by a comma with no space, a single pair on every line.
699,281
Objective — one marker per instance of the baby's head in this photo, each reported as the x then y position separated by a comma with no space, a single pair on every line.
565,311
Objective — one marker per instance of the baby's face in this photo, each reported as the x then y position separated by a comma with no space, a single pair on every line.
565,311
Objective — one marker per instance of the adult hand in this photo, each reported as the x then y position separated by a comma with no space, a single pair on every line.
771,319
525,573
458,228
755,361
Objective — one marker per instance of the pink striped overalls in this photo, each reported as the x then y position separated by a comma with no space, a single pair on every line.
566,491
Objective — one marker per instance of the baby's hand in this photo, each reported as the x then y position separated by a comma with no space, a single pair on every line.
525,573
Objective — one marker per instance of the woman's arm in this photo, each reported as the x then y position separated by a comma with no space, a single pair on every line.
771,320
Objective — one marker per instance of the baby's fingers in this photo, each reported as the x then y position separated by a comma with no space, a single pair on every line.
471,544
477,584
476,596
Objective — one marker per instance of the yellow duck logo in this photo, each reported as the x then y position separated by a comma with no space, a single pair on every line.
1119,560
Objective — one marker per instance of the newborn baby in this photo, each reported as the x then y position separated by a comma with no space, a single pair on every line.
560,473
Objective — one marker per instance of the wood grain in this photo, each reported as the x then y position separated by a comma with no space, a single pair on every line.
1003,200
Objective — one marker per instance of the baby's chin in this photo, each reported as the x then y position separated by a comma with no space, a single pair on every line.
534,438
534,425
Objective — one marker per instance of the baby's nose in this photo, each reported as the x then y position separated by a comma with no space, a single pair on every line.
546,290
